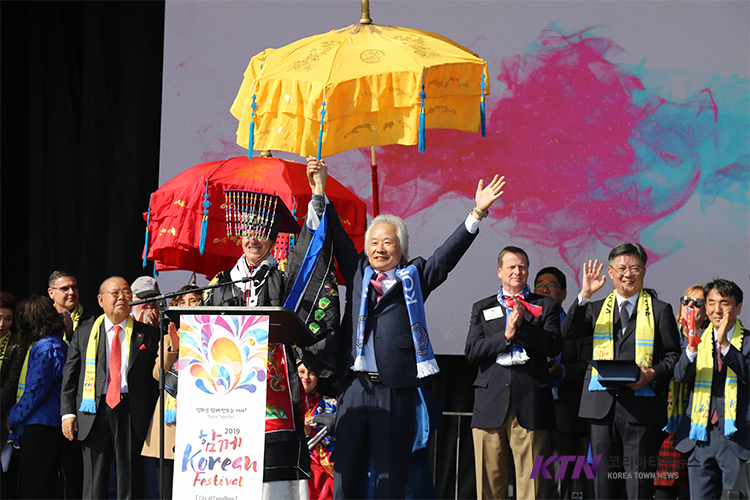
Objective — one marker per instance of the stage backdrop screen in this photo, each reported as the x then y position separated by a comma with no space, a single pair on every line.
612,121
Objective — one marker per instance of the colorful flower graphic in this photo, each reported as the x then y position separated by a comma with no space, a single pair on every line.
216,351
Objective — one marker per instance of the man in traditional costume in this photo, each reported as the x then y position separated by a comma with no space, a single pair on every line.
311,291
511,336
384,347
629,324
714,429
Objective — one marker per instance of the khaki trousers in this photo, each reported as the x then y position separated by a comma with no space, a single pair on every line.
491,451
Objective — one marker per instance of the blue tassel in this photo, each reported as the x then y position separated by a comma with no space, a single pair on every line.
322,117
156,273
422,127
483,118
251,139
482,114
87,406
148,222
204,223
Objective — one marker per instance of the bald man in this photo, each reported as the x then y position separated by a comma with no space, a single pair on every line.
108,392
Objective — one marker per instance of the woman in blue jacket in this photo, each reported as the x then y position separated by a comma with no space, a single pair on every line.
35,417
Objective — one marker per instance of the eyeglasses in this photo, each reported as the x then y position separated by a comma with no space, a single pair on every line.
127,294
622,271
65,289
552,287
685,301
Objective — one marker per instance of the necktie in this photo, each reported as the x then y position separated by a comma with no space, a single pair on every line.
624,316
719,365
377,284
115,361
510,302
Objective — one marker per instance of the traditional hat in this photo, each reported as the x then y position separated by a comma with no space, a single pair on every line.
262,215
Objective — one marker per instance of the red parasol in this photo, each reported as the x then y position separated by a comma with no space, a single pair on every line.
175,220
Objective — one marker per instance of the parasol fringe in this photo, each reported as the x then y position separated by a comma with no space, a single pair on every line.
204,223
482,115
422,127
145,245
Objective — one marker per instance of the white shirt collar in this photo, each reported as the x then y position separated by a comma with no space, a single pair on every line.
108,324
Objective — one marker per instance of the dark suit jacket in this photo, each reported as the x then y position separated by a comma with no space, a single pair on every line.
739,362
388,318
575,357
142,387
640,410
529,385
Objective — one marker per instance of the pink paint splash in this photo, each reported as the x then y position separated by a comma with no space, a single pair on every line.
589,154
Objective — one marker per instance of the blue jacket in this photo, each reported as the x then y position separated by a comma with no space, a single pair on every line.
40,402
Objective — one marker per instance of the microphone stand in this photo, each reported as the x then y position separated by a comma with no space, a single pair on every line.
161,303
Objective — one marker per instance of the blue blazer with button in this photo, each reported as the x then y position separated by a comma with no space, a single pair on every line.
388,319
529,385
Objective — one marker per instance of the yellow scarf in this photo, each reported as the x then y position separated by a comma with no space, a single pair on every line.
3,347
604,344
704,372
88,403
22,379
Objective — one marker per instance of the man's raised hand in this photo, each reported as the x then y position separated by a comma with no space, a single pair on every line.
593,280
317,175
486,196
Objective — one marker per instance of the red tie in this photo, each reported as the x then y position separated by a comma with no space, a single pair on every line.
115,361
377,284
533,309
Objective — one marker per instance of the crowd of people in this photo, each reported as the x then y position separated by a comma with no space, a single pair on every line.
655,403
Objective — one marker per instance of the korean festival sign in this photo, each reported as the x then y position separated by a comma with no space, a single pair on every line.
221,407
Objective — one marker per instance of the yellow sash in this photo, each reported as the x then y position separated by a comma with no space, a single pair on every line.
704,372
604,344
88,403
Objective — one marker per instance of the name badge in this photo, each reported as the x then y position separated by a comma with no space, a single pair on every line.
493,313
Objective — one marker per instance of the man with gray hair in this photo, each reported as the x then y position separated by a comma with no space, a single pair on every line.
384,347
630,324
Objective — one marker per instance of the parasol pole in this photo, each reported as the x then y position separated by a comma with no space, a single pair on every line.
365,13
375,190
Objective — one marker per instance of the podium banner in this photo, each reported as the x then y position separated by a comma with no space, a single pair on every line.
221,406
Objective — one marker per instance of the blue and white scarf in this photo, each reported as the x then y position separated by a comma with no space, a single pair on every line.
409,276
516,355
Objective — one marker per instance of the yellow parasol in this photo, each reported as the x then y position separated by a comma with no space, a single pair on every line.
363,85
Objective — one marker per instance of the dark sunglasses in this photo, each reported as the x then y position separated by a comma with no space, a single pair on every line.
685,301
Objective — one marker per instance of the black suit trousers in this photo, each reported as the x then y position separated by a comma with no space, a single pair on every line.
112,435
634,446
371,413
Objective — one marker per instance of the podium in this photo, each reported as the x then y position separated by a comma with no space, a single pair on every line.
225,367
285,327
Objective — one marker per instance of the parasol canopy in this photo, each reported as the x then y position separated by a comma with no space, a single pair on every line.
177,226
364,85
